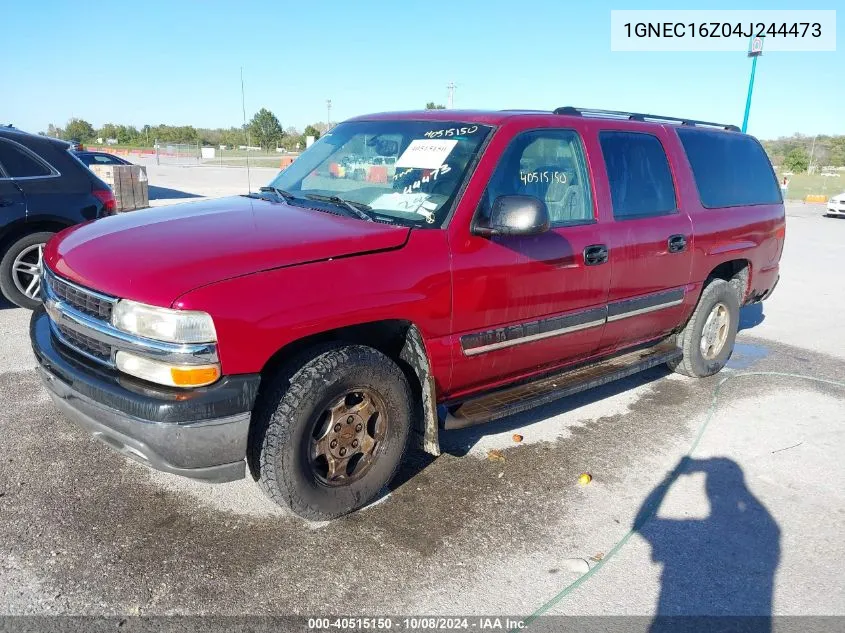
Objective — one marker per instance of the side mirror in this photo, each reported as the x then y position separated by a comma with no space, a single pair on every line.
516,215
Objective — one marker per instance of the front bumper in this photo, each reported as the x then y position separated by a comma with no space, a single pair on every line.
835,209
198,433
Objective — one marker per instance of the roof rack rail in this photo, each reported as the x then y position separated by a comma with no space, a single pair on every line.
636,116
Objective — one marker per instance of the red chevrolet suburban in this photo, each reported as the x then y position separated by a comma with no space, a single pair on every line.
409,273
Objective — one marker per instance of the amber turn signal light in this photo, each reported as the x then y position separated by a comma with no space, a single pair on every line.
194,376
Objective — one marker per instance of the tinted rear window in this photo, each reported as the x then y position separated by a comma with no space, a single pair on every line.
638,173
730,169
18,163
101,159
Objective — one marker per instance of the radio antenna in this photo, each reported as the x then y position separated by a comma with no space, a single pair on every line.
246,129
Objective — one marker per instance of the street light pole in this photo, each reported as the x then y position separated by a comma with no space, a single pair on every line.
812,151
328,114
450,101
755,50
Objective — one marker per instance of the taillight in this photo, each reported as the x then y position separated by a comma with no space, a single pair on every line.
106,196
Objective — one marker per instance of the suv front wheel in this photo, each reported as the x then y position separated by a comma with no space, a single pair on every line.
20,270
328,437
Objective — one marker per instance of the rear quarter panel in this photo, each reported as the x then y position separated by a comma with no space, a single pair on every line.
755,233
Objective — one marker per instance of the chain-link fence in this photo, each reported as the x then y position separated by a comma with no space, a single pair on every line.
177,153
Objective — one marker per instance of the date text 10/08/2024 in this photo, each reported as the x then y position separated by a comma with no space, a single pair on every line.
422,623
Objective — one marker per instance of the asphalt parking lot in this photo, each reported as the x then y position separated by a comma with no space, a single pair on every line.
753,527
172,184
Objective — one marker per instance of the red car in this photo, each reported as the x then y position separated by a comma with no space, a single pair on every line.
482,263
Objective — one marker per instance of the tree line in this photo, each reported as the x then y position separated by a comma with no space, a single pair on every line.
797,152
263,130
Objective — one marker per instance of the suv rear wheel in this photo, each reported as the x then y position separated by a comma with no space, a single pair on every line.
20,270
330,436
708,339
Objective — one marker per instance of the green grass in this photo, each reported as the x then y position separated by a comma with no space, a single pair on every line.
236,153
802,185
253,162
128,148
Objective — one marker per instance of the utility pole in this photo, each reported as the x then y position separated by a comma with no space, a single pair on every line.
328,114
450,101
243,107
812,151
755,50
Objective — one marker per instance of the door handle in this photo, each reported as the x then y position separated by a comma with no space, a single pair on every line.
595,254
5,202
677,243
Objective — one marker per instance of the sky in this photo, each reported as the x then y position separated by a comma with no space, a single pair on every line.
179,62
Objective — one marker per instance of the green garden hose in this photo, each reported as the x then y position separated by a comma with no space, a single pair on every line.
670,480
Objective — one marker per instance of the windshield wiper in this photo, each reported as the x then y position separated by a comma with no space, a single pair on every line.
358,209
287,196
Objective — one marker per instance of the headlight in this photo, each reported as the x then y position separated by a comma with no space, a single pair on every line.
163,324
165,374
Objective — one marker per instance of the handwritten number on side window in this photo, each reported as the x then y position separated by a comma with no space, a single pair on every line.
528,177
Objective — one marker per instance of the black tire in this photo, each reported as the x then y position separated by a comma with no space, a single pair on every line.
7,280
694,363
287,416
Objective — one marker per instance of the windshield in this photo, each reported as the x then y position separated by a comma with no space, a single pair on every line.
404,171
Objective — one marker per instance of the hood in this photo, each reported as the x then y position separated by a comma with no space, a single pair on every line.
157,255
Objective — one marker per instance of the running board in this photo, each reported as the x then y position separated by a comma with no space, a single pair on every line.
516,399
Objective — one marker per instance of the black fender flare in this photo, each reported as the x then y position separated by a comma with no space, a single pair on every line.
425,423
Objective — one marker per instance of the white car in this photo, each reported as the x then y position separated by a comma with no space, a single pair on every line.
836,205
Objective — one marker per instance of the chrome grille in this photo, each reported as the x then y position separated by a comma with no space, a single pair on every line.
87,302
80,321
85,344
62,295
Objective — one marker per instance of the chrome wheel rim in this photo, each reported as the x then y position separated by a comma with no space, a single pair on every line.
348,436
26,271
715,331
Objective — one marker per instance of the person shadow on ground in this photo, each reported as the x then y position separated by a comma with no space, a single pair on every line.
714,568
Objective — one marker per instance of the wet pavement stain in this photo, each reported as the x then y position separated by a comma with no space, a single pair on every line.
104,520
746,355
101,533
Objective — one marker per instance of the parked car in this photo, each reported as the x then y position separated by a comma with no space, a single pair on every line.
836,206
309,330
75,146
101,158
43,189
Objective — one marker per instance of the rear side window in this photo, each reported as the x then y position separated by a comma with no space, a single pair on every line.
638,174
730,169
18,163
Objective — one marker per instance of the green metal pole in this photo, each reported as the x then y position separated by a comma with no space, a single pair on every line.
750,90
755,49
